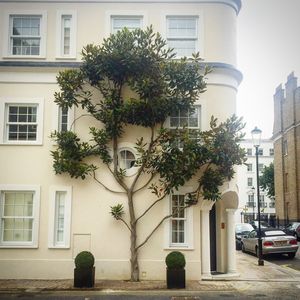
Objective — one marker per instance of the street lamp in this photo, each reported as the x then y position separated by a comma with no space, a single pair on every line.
256,137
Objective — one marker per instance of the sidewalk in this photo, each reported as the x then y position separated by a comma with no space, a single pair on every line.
247,267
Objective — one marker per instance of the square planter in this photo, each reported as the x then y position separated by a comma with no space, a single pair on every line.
176,278
84,277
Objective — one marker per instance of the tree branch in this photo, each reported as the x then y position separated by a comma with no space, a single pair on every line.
103,185
143,186
148,209
121,219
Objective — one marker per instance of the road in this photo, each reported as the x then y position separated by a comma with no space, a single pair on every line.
282,260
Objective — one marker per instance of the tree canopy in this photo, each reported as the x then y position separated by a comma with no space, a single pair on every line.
131,79
266,180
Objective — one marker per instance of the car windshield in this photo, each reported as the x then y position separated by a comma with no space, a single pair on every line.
243,228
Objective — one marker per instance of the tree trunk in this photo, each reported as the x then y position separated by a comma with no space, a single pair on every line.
134,264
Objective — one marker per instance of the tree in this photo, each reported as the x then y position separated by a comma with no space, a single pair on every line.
266,180
131,79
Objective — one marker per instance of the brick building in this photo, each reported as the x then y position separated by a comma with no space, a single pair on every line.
286,137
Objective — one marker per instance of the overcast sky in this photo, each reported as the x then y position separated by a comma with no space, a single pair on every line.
268,51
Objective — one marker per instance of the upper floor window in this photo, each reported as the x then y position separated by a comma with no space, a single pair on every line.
130,22
249,167
249,151
189,119
22,121
127,157
260,151
249,181
182,34
66,34
271,151
25,35
260,167
19,211
26,32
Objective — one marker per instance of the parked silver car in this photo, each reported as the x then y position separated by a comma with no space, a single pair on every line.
273,241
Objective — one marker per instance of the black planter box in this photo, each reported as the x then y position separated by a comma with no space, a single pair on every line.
84,277
176,278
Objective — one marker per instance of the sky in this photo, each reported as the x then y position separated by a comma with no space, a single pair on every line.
268,51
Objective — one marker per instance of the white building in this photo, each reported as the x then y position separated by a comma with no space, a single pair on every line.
45,219
247,184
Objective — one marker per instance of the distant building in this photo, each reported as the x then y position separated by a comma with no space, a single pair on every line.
246,178
286,137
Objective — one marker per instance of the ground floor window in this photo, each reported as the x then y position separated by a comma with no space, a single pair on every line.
19,216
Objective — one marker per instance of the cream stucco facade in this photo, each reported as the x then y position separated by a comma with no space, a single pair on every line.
27,166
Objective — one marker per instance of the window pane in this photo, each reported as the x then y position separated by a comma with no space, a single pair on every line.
127,159
59,216
130,23
183,47
182,27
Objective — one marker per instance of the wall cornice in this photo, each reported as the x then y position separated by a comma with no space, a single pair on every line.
216,77
235,4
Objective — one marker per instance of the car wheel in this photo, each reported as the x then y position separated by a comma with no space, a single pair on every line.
291,255
243,248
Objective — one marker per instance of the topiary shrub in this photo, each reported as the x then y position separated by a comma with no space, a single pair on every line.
84,260
175,260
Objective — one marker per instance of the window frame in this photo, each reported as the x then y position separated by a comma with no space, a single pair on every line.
8,15
35,215
52,242
196,38
5,103
60,35
189,228
249,152
117,16
249,180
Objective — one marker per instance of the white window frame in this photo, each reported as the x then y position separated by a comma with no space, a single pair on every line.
199,107
199,30
7,50
249,181
189,225
52,243
109,14
129,147
5,102
60,36
132,17
36,210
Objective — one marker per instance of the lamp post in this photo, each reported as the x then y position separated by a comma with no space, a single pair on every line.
256,136
251,193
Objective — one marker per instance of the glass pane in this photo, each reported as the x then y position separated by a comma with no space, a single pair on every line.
183,47
181,27
8,235
174,122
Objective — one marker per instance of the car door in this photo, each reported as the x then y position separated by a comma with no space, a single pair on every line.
252,240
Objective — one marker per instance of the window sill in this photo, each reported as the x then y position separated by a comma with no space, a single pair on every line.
179,247
24,57
59,247
66,57
19,246
21,144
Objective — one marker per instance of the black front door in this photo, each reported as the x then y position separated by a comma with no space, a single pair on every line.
213,245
